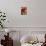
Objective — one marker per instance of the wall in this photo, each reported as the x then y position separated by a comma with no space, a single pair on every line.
36,16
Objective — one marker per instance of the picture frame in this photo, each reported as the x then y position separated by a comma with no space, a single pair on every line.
23,10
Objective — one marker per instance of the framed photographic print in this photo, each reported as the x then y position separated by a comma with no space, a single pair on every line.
23,10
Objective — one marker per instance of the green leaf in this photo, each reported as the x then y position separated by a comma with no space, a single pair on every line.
0,15
2,26
0,21
4,13
4,16
0,12
3,19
